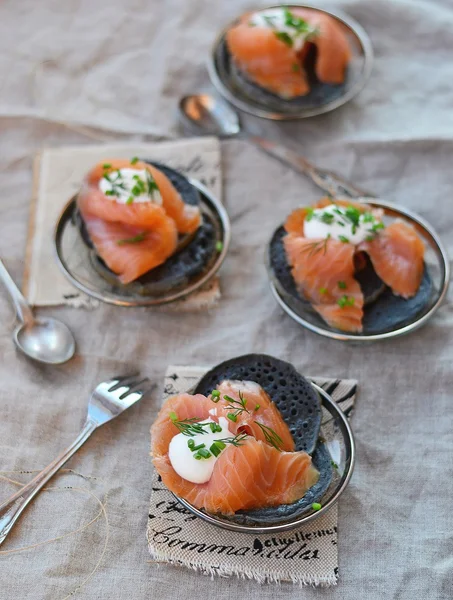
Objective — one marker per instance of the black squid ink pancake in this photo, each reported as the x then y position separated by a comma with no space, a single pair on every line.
300,407
383,310
195,254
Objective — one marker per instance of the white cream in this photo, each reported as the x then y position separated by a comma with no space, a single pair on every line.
182,458
340,227
275,18
123,181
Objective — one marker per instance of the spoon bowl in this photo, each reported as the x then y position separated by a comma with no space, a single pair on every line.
45,340
206,115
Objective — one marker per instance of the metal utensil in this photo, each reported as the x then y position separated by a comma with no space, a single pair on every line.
204,114
107,401
43,339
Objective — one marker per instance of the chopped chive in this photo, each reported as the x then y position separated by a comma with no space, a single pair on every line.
130,200
257,407
202,453
134,160
295,68
217,447
219,246
135,190
369,238
334,464
232,417
343,239
323,291
367,217
342,285
109,193
378,226
191,444
199,447
285,38
345,301
215,395
316,506
327,218
132,240
309,215
173,416
107,166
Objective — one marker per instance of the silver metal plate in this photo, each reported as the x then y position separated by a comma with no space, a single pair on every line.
339,440
436,261
222,73
73,257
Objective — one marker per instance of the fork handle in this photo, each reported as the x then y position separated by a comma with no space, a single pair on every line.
11,510
330,182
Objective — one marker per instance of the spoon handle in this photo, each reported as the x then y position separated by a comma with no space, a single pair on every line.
23,311
328,181
11,510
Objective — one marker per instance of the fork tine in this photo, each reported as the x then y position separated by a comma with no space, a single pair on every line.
141,387
124,381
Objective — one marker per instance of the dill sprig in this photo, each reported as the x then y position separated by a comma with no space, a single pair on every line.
236,440
189,427
271,436
237,406
315,247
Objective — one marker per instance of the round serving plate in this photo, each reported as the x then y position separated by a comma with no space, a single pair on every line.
322,98
75,259
338,441
420,309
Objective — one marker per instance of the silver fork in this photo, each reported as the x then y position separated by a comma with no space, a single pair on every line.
108,400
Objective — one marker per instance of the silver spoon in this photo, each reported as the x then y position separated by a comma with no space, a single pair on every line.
43,339
204,114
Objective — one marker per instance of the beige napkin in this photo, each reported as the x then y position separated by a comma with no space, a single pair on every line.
57,176
306,556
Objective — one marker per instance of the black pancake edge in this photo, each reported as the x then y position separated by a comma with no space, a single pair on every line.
386,313
282,373
163,278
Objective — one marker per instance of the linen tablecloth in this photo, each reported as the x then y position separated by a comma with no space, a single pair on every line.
115,71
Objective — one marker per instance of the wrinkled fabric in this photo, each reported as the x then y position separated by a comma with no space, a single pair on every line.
117,71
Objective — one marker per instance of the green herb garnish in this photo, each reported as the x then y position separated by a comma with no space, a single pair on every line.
343,239
271,436
189,427
215,395
323,291
345,301
233,417
134,160
202,453
257,407
327,218
107,166
217,447
285,38
238,406
316,506
367,217
295,68
132,240
219,246
309,215
342,285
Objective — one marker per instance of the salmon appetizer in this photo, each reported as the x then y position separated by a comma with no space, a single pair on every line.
271,47
134,216
324,247
229,451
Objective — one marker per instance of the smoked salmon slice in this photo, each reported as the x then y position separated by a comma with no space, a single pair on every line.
324,269
133,238
273,58
397,256
324,274
252,475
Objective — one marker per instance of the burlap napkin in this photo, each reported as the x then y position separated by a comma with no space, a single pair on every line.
57,176
306,556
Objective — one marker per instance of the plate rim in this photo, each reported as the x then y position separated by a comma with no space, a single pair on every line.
150,301
408,215
350,22
297,522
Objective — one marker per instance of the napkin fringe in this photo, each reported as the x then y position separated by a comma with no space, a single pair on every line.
257,574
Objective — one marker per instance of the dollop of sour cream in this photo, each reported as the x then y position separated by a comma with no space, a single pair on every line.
128,186
341,223
277,19
183,459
